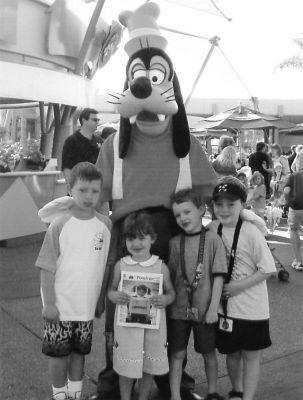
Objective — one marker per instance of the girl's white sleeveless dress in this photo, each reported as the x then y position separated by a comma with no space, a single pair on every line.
138,350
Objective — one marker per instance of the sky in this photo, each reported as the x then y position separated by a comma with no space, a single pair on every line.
259,36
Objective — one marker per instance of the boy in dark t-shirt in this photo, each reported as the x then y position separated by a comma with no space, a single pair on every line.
197,264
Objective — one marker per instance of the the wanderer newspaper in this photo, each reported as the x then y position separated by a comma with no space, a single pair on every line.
139,312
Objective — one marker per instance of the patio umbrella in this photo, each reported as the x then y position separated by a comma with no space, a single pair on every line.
211,132
266,123
242,117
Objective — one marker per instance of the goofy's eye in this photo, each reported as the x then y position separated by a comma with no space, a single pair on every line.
156,76
138,73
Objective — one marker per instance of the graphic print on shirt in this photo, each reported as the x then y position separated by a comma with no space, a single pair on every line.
98,241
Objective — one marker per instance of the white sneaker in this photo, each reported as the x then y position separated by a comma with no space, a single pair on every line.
60,396
297,265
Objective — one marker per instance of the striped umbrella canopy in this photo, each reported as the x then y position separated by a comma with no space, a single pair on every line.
242,117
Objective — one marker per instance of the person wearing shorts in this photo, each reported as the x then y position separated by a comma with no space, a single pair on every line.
293,191
243,329
64,337
72,261
202,255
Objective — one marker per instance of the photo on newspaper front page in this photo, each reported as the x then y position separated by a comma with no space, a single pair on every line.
139,312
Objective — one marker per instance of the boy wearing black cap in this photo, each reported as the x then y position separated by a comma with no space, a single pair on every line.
244,314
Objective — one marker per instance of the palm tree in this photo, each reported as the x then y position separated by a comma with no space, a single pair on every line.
294,61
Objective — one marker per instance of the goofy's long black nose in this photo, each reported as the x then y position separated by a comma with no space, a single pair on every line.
141,87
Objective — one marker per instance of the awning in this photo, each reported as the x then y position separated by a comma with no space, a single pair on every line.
40,84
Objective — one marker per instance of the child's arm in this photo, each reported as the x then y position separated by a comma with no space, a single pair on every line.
50,311
47,264
163,300
212,313
233,288
115,295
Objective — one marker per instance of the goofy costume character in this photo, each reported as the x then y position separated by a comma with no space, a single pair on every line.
152,156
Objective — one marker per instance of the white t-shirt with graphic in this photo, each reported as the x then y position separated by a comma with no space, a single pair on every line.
252,255
76,251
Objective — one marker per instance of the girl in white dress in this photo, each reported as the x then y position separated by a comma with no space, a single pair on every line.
140,352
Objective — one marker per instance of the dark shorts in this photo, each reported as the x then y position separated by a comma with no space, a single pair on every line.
178,333
246,335
64,337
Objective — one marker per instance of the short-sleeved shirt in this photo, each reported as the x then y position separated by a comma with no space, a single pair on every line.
252,255
295,182
214,263
77,148
76,250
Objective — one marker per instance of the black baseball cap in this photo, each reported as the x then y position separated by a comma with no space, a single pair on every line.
230,188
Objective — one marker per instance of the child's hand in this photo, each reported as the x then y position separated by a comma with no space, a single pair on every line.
159,301
231,289
211,316
50,313
119,297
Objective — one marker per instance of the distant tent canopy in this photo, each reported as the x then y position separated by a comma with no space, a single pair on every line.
242,117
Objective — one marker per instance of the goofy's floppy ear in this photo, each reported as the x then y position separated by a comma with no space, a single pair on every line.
124,132
181,135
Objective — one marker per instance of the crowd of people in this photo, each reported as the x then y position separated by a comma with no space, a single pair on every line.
264,172
213,281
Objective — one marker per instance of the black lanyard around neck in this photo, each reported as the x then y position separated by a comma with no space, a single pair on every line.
191,287
232,256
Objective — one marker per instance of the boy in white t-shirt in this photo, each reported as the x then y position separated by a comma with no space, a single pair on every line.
72,262
244,318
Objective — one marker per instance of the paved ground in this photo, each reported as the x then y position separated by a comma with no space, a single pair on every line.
23,369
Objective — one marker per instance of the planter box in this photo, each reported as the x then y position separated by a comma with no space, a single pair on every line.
22,194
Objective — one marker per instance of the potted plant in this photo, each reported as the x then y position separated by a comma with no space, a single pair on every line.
34,159
10,155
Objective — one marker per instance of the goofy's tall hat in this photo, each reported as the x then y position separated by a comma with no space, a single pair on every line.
152,99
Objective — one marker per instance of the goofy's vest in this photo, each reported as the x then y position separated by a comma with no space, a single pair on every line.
184,178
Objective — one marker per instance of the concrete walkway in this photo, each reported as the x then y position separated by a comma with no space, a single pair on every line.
23,368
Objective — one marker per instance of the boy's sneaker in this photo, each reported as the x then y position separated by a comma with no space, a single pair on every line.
234,395
297,265
189,395
213,396
60,396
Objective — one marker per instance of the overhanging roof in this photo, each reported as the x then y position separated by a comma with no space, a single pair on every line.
40,84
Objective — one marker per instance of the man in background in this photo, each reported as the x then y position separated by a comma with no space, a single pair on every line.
82,144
